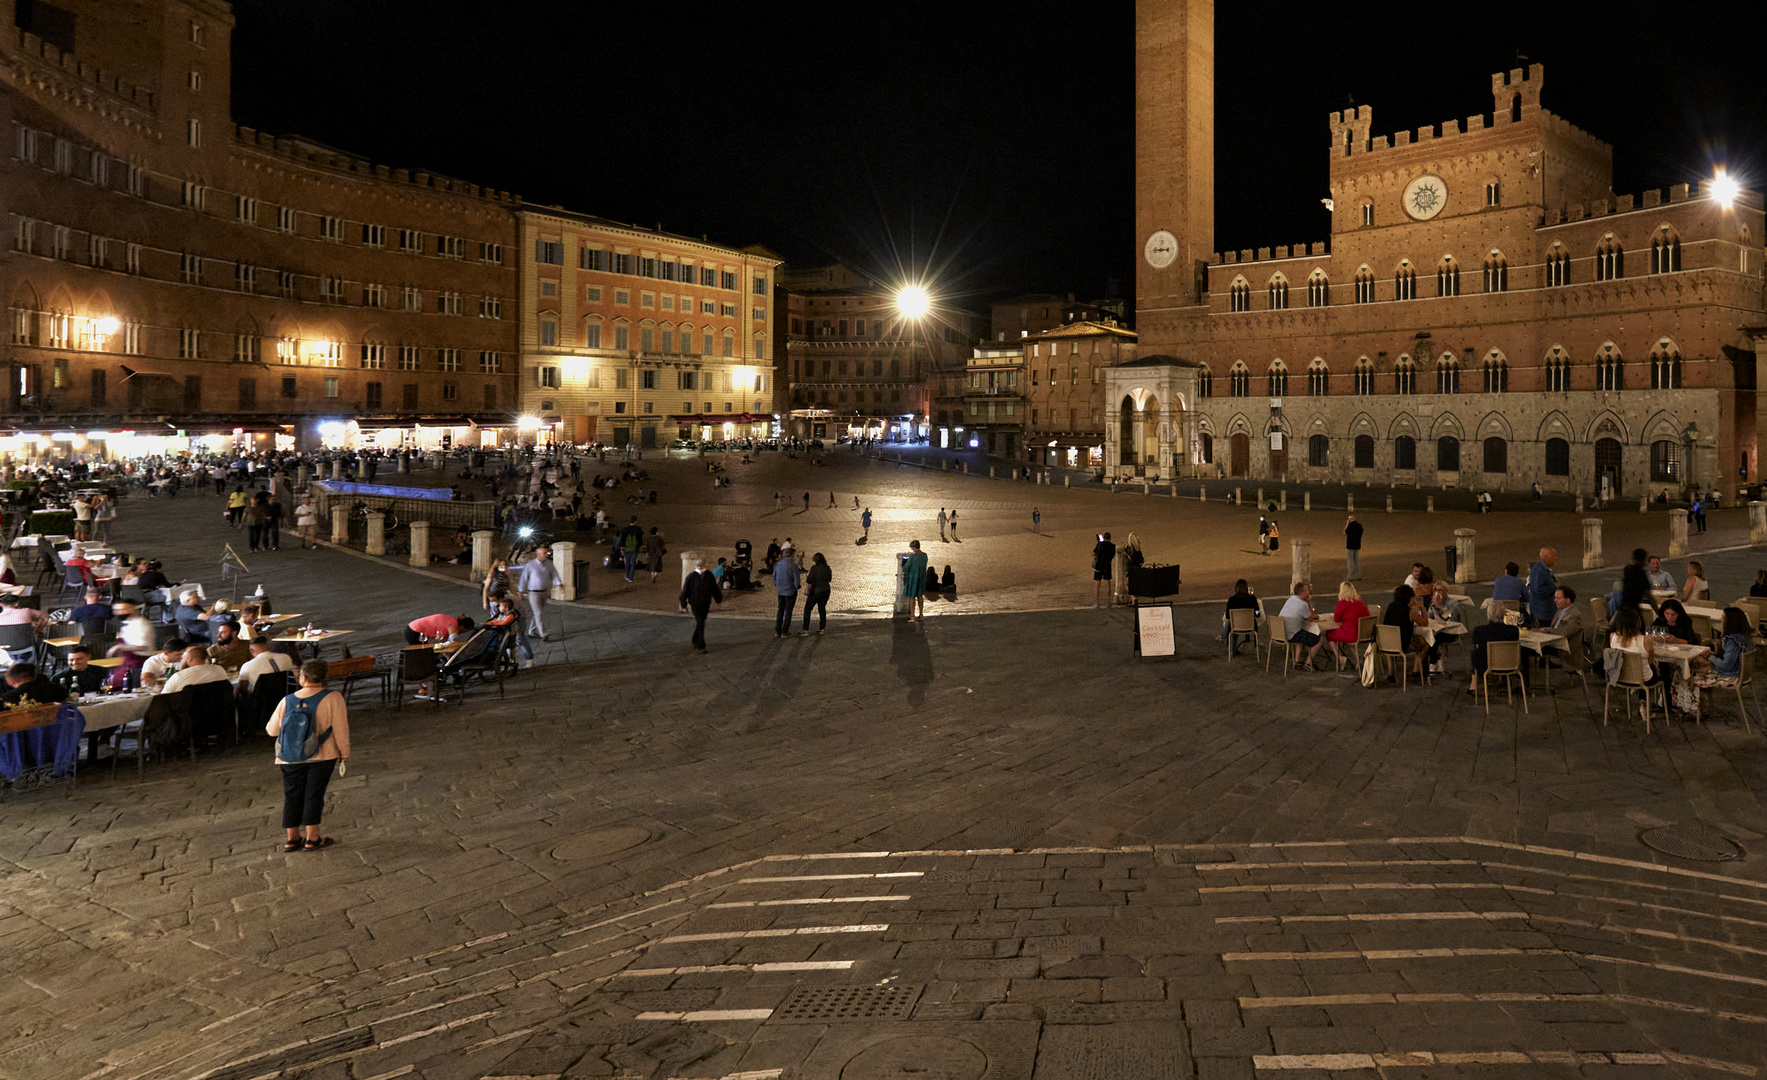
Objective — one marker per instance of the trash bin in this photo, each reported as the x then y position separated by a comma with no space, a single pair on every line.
580,577
1451,559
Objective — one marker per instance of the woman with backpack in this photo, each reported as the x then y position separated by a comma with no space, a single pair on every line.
312,731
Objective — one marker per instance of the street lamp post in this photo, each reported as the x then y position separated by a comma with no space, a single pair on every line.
914,303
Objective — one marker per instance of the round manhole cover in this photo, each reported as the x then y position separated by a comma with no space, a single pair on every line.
920,1057
1692,840
601,842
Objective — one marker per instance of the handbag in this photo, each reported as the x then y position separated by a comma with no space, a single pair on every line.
1368,668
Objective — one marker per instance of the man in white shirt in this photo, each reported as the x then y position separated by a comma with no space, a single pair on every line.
1658,577
264,661
163,665
197,670
1302,623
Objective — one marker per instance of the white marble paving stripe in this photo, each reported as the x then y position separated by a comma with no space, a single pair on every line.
831,877
1580,856
708,1015
1663,935
752,1074
1340,863
1387,954
812,900
854,928
782,965
1426,1058
1416,886
1375,916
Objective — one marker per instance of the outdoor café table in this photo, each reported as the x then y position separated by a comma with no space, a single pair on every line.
38,746
106,711
1716,614
1459,599
316,639
1538,640
274,619
1680,655
1663,594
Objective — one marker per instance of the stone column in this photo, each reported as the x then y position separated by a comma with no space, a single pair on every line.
1064,482
420,543
404,462
1349,502
340,523
1138,432
688,560
1202,493
1146,487
1677,535
482,539
303,476
1431,505
1464,556
1260,499
1644,504
1282,500
1592,556
1120,579
1238,496
564,557
1579,503
337,468
377,533
1306,500
1300,551
1758,523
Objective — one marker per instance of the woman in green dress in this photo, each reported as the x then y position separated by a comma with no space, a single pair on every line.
914,582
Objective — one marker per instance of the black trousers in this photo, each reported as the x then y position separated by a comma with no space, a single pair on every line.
699,625
782,623
412,637
816,601
303,792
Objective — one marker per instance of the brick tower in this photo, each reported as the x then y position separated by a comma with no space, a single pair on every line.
1174,161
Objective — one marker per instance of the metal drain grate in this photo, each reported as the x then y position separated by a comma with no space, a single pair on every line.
1693,840
830,1004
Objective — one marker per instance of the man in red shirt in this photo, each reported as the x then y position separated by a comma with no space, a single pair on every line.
435,628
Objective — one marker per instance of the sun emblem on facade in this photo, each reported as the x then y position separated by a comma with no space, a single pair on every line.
1425,196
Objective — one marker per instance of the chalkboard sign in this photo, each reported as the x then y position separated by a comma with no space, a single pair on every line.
1154,635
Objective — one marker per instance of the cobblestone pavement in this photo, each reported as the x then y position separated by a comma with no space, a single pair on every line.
991,847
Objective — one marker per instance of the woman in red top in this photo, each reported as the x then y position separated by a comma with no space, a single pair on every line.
435,628
1348,613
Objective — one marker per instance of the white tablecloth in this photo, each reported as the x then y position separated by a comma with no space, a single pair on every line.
102,712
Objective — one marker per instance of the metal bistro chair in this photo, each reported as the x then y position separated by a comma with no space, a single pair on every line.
1241,623
362,669
1504,659
1275,640
421,666
1388,643
1703,629
1598,621
20,640
1365,628
1747,678
1634,673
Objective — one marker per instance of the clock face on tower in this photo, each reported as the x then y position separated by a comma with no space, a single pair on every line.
1425,196
1160,250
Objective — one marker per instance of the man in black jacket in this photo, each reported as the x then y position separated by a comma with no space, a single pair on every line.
1635,581
699,592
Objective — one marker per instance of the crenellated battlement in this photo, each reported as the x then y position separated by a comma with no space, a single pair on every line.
1651,199
90,77
308,153
1515,98
1278,254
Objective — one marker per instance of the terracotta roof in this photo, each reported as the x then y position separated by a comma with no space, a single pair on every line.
1082,329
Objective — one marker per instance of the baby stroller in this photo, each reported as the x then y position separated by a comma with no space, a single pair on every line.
485,656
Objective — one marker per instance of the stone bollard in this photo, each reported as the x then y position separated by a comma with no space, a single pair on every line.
337,468
1260,499
1579,504
1146,488
419,543
990,472
1677,535
1389,504
1306,500
564,557
944,464
1238,496
1064,482
1644,504
1282,500
1349,502
303,476
1300,552
377,533
1464,552
1758,523
340,523
966,468
1592,556
1172,488
1120,579
482,539
688,561
404,463
1202,493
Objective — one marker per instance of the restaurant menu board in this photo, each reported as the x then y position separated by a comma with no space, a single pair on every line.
1153,630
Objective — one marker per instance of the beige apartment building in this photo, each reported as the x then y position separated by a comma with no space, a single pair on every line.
636,337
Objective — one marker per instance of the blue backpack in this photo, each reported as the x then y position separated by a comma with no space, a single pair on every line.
300,739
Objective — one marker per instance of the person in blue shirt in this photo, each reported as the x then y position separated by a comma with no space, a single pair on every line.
1509,584
1727,658
1541,583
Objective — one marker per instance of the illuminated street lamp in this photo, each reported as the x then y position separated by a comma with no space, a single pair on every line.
1725,189
912,301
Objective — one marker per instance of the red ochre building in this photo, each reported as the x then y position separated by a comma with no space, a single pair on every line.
1486,312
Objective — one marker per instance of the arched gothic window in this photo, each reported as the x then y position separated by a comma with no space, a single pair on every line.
1278,293
1447,277
1318,289
1496,272
1447,374
1665,251
1239,381
1405,376
1239,295
1665,367
1610,370
1364,377
1405,282
1610,259
1318,379
1277,378
1558,371
1558,266
1496,376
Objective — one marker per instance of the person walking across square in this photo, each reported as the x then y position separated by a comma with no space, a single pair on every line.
820,581
942,520
786,580
864,523
1352,549
698,593
1036,520
629,543
538,576
914,576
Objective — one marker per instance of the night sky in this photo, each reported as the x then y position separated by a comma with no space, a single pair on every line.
992,143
